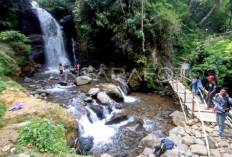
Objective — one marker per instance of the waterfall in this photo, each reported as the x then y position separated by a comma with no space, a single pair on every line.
127,99
52,34
74,52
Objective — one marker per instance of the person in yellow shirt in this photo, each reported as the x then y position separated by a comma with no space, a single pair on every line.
60,67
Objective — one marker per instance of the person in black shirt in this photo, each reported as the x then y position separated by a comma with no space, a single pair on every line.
211,92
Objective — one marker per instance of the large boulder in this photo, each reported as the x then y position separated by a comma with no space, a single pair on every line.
91,69
93,91
150,141
115,119
37,48
188,140
73,70
98,110
82,80
111,90
123,85
134,82
103,98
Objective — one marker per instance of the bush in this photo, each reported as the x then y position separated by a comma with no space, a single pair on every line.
44,136
2,84
8,36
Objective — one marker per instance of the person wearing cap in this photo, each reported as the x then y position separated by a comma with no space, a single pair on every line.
60,68
211,92
196,84
222,104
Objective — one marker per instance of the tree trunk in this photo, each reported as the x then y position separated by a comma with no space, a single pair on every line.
210,12
143,39
190,5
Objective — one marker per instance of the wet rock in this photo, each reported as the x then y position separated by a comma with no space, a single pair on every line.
149,141
93,91
41,91
134,82
73,70
103,98
32,86
82,80
147,151
98,110
43,94
123,85
188,140
199,149
116,119
27,80
118,106
112,90
215,152
91,69
62,83
88,99
176,113
37,96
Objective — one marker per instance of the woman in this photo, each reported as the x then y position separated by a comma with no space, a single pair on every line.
196,84
60,67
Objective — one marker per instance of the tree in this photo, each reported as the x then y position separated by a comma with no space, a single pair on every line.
143,39
210,12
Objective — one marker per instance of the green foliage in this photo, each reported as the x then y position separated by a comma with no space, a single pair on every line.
15,84
2,84
44,136
7,63
8,36
8,15
213,58
52,5
2,111
19,149
22,119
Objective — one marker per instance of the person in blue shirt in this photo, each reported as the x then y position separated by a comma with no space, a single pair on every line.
196,84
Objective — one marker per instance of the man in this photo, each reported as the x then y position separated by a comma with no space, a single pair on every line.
222,104
211,92
85,145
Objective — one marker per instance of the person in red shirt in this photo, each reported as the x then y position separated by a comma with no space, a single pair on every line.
78,68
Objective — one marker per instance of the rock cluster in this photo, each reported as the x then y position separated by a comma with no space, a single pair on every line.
190,140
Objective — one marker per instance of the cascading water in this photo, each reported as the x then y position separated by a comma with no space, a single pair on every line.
74,52
52,34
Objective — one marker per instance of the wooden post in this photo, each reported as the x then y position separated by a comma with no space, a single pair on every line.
193,104
185,106
177,85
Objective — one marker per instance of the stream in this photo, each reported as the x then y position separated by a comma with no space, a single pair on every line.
147,113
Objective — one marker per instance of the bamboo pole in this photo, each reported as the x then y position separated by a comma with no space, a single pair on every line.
193,104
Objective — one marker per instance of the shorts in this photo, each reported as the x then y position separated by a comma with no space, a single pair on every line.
61,71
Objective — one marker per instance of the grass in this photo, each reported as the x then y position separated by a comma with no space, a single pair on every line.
22,119
2,111
4,85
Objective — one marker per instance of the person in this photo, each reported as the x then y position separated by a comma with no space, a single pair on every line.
222,104
60,67
85,145
196,84
66,68
211,92
78,68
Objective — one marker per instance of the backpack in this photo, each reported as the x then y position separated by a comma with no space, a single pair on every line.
165,145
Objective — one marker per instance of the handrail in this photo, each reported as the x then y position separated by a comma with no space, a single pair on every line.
207,144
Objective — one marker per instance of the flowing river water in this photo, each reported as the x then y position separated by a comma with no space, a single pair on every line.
146,112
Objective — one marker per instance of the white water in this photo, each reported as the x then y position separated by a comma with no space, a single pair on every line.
54,44
127,99
74,53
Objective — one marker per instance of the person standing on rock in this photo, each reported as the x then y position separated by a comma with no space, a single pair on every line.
78,68
60,67
211,92
196,84
222,104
